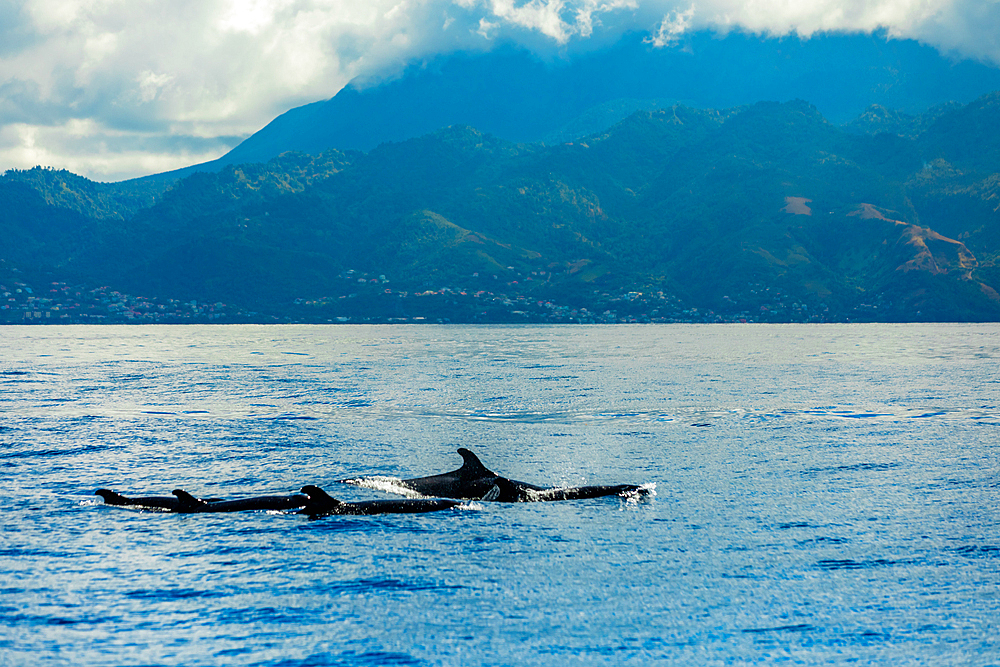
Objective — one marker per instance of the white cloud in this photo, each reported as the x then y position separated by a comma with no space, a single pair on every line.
163,83
88,148
806,18
150,84
486,29
672,28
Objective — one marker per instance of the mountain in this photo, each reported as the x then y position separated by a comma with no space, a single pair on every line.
515,95
762,212
966,136
878,119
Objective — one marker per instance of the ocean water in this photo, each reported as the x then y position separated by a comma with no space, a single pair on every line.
823,495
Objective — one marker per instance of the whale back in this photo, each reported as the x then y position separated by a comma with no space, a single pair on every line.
187,502
472,481
150,502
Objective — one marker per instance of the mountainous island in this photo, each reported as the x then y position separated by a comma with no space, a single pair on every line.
758,212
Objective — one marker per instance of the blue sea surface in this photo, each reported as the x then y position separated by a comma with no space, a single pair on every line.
824,494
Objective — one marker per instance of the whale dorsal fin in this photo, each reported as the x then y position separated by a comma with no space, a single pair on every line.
318,495
111,498
473,467
187,500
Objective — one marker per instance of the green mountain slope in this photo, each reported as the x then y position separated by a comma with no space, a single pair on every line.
759,213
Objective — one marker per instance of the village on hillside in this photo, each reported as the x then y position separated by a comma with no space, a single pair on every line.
371,301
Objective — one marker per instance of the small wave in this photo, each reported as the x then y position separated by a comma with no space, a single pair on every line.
850,564
633,498
355,403
527,417
855,467
978,551
131,377
823,540
19,379
286,416
15,552
388,585
644,490
46,453
172,594
794,524
798,627
697,417
257,615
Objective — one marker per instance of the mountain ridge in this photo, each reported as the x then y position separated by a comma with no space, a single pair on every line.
766,212
515,95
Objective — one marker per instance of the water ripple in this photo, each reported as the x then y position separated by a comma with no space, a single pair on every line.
829,509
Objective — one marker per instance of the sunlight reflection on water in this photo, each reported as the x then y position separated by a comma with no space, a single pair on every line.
823,494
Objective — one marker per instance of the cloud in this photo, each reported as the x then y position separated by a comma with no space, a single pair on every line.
118,88
672,28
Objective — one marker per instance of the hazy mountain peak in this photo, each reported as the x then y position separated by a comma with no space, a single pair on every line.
514,95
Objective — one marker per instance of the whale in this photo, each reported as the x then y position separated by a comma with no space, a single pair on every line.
312,501
149,502
322,504
188,504
474,481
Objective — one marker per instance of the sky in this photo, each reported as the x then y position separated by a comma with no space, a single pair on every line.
113,89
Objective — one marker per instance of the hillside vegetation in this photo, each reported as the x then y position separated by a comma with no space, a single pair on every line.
760,213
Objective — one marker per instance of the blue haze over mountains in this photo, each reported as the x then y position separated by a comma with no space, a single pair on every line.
841,178
518,96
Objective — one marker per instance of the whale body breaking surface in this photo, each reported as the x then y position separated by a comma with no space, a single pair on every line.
312,501
474,481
